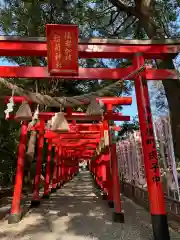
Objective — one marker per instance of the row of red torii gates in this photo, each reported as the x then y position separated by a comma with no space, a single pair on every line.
82,142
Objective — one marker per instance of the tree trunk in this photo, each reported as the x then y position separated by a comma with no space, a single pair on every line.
172,90
171,87
144,11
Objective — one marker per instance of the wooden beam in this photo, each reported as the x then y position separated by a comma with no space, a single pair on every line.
86,73
93,48
105,100
83,116
167,41
77,136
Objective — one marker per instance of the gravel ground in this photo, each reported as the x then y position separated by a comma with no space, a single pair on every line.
76,212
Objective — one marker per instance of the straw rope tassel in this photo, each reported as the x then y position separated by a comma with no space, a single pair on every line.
59,123
94,108
24,112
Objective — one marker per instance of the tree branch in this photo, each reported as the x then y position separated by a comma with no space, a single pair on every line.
143,11
103,12
113,19
122,7
116,33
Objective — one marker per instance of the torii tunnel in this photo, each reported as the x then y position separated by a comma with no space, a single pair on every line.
84,140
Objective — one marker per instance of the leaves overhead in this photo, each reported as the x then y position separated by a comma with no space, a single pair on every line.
95,18
28,18
128,128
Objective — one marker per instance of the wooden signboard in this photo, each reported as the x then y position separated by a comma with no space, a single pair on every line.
62,45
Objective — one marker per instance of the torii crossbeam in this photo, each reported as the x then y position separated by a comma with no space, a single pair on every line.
137,52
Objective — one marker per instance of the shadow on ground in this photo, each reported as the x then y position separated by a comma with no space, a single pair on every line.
77,212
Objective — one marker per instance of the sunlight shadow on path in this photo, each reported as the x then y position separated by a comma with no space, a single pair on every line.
76,212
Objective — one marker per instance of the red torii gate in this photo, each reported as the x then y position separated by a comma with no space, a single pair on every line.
101,176
138,51
86,154
52,138
81,116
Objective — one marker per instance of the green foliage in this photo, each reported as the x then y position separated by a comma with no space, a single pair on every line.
94,18
9,138
128,127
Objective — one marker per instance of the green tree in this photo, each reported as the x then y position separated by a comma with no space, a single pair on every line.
148,19
8,148
158,98
128,127
28,18
155,19
108,18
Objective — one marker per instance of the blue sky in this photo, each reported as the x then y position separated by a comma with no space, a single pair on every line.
127,110
4,62
132,109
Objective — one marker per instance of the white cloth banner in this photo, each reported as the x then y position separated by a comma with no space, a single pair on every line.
131,161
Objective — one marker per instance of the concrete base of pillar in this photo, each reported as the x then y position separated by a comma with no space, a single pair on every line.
53,190
111,204
160,227
14,218
118,217
35,203
58,186
45,196
104,196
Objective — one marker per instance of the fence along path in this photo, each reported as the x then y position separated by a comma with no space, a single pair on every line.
131,167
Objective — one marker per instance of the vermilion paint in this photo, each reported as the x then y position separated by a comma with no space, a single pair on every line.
15,209
62,43
83,116
105,100
115,179
55,166
39,161
59,166
156,195
48,168
114,170
85,73
20,46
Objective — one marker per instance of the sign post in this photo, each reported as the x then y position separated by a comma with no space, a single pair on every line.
62,44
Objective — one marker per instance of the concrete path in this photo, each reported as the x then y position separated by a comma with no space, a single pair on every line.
76,212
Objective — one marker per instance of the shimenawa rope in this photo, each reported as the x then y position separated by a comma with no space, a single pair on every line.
68,101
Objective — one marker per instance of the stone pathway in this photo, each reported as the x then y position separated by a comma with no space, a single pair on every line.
76,212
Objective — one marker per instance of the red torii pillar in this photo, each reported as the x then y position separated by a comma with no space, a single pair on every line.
104,164
105,157
48,170
55,166
107,186
36,198
16,214
118,215
59,167
154,185
31,49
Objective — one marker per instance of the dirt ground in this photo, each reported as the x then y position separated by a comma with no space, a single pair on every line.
76,212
